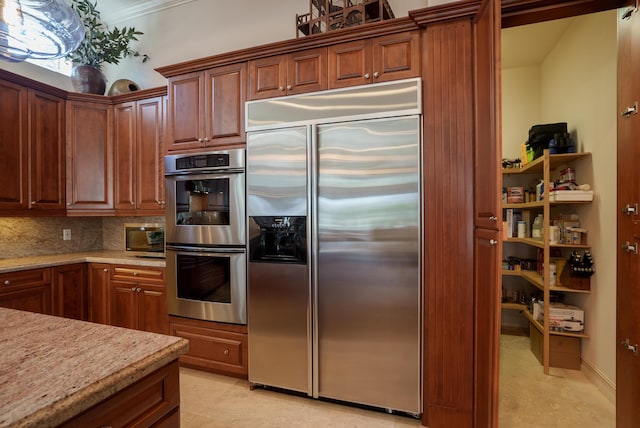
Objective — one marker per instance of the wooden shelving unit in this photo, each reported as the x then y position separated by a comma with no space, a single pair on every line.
541,168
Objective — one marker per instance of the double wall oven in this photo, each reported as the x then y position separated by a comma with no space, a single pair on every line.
205,236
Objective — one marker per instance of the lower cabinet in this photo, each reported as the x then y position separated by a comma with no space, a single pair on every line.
153,401
215,347
27,290
138,298
98,283
70,298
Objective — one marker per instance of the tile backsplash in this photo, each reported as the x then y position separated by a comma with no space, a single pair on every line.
29,236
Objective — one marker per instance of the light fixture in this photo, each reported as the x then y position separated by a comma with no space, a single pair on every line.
45,29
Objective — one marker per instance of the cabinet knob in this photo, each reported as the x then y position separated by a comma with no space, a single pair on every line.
366,75
68,204
132,203
33,202
281,88
201,140
138,289
206,140
133,289
226,351
376,74
105,270
493,218
135,273
493,242
7,282
289,87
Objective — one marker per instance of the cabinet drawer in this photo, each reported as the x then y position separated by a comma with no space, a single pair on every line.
25,277
138,273
214,350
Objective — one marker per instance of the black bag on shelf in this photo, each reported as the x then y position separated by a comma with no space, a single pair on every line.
540,135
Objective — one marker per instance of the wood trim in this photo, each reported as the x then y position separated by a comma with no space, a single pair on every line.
446,12
448,224
142,94
522,12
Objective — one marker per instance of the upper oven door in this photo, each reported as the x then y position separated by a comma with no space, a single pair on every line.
206,209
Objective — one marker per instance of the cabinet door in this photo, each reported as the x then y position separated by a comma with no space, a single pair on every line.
349,64
185,118
89,156
28,290
267,77
487,249
123,303
396,56
70,291
47,139
124,135
224,104
307,71
152,304
149,164
13,146
98,284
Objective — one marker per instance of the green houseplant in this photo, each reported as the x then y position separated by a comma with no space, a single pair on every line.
100,45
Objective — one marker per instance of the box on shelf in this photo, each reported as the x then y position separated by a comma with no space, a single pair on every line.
515,194
575,236
571,195
563,317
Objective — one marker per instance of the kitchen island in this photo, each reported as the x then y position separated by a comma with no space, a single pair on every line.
56,370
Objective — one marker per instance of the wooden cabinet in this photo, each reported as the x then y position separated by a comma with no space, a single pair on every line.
294,73
206,108
138,298
139,166
153,401
98,284
28,290
70,291
32,144
89,158
216,347
380,59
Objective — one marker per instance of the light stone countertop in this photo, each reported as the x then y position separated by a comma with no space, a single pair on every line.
53,368
23,263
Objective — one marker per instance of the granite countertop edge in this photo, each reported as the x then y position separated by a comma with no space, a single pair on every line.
76,403
98,256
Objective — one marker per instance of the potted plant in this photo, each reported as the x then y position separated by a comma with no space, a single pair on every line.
100,45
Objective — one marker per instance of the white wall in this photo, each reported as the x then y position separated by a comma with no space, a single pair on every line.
521,108
577,85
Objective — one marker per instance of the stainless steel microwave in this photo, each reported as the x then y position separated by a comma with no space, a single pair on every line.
144,239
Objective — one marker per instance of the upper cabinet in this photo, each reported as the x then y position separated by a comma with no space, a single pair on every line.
89,157
380,59
206,108
32,144
295,73
139,167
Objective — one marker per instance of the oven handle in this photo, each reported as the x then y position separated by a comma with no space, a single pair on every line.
217,250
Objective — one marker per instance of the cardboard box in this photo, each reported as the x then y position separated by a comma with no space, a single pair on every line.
515,195
566,318
564,352
571,195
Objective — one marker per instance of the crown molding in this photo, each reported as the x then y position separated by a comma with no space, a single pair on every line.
140,9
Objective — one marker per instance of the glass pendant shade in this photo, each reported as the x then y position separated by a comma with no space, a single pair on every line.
45,29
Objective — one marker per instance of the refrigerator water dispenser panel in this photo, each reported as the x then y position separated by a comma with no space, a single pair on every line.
278,239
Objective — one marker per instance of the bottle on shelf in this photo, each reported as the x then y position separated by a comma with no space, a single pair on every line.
536,230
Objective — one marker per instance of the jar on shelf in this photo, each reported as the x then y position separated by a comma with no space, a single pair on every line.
536,229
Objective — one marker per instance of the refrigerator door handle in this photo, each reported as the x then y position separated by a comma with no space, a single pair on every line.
312,201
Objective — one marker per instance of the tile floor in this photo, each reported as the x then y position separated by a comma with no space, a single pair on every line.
528,399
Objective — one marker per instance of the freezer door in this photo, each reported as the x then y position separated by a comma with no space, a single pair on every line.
277,172
368,255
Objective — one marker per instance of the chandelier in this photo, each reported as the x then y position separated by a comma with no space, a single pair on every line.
44,29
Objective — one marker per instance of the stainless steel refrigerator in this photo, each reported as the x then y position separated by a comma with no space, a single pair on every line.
334,269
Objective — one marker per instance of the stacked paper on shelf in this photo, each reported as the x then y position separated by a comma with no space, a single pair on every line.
571,195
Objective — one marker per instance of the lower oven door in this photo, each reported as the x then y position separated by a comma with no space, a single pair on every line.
207,283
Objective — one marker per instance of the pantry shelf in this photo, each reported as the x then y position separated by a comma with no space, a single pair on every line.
540,327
